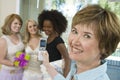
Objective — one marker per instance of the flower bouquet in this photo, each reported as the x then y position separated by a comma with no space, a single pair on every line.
21,59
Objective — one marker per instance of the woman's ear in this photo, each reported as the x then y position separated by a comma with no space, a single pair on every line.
103,53
103,50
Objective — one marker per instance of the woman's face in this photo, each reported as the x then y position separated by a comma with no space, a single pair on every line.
48,27
16,26
83,45
32,28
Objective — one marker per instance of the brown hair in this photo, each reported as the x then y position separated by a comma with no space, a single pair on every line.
105,24
8,20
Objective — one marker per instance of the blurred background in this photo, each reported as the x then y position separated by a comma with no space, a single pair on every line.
31,8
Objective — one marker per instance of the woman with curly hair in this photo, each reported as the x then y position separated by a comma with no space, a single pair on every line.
53,23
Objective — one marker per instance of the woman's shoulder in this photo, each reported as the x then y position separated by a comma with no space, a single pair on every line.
3,38
2,41
59,39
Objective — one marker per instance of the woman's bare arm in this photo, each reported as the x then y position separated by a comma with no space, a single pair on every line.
63,50
3,51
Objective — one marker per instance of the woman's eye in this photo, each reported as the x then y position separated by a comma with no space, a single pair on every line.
29,26
87,36
34,25
20,24
74,31
16,23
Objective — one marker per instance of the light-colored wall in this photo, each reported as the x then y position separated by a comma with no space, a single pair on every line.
26,8
7,7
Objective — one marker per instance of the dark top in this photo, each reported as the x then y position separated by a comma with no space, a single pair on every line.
54,54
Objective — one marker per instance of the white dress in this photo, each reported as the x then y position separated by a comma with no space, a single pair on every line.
11,72
33,71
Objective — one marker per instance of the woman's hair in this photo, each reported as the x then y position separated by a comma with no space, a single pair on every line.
8,21
26,33
57,19
105,24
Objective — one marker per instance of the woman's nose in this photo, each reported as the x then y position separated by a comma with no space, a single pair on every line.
76,40
19,25
44,28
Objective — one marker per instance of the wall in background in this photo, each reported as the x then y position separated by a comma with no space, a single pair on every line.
7,7
31,8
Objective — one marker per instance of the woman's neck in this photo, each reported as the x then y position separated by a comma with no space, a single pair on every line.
14,38
33,36
14,35
81,67
51,37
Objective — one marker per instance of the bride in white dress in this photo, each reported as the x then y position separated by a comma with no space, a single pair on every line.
31,40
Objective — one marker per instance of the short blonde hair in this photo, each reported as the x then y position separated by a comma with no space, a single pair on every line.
105,24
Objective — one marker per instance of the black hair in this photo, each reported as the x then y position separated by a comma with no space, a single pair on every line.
57,19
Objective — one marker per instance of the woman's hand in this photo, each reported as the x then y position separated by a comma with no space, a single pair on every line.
50,69
45,58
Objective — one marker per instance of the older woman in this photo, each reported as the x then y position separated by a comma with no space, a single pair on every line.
94,36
